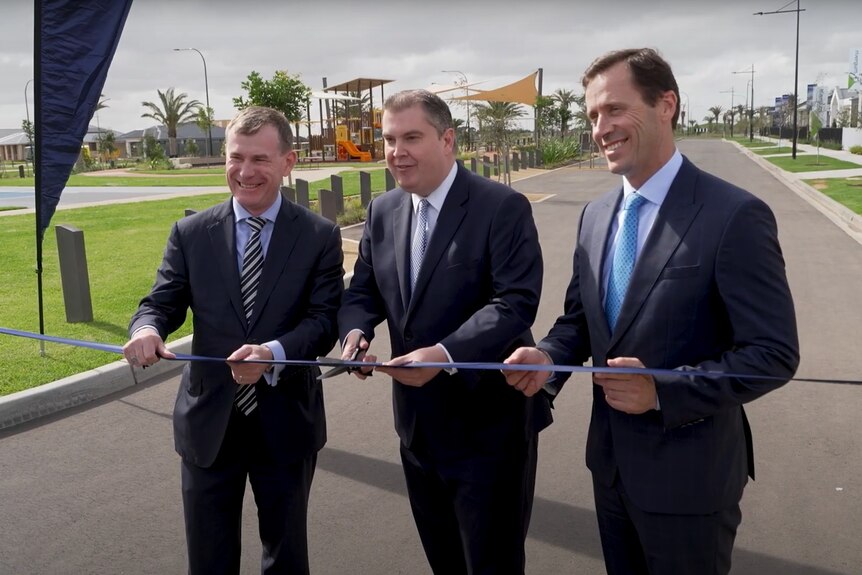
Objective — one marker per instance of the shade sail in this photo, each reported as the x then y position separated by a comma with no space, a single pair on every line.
521,92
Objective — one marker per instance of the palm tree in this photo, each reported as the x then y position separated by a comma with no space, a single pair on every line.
564,100
173,112
496,120
716,112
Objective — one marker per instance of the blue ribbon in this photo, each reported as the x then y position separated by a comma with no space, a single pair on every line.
495,366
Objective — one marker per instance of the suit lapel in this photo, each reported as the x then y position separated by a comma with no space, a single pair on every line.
448,221
223,239
598,241
285,234
671,224
401,232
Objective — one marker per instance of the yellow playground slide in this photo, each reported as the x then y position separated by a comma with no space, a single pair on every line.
352,151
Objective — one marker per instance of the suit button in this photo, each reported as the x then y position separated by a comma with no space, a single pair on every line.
408,336
253,341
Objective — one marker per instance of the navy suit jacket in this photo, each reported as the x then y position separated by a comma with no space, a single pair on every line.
708,291
477,293
300,289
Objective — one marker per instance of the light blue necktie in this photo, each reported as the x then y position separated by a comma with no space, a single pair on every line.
624,259
420,242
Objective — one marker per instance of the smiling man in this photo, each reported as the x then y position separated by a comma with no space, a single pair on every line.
263,279
452,261
674,269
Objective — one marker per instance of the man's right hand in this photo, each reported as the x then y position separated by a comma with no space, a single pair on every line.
528,382
146,348
356,349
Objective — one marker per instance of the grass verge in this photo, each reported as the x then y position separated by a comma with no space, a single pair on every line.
811,163
847,191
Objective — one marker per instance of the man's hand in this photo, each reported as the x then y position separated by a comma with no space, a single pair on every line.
528,382
146,348
356,349
627,392
415,376
249,373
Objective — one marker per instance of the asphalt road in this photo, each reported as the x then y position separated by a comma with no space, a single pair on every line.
96,489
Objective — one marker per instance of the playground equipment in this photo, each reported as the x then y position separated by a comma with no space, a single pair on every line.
348,151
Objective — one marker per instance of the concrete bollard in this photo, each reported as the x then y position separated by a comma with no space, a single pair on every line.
338,189
74,275
364,189
328,207
302,193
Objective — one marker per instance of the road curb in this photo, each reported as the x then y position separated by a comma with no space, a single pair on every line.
84,387
838,213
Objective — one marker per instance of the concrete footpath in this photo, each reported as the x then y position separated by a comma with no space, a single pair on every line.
95,488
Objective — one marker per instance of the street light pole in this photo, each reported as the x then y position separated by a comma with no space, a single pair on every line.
796,67
751,108
29,125
466,92
207,90
731,108
687,111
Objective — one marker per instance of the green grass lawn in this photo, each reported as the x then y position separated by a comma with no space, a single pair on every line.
811,163
847,191
124,244
773,149
753,144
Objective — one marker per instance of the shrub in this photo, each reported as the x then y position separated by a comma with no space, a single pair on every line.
856,150
556,152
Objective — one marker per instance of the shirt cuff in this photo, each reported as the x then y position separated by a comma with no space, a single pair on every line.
277,350
449,370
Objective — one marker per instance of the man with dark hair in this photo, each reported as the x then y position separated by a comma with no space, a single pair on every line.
675,269
263,279
452,261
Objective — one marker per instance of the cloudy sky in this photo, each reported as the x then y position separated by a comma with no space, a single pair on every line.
491,41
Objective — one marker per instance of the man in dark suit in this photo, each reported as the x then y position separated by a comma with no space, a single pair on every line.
234,421
669,455
452,262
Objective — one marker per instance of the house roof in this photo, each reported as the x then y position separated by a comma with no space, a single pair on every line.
15,139
184,132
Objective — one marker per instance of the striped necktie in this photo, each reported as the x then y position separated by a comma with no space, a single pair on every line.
624,259
252,266
420,242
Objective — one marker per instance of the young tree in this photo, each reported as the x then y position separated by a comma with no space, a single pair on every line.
285,93
174,110
564,100
191,147
547,115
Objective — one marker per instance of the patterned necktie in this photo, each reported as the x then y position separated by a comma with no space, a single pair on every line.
624,259
420,242
252,266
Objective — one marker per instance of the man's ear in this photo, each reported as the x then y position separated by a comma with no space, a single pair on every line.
449,139
669,103
290,162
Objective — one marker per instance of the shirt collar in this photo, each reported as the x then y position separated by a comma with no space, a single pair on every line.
438,196
270,214
655,189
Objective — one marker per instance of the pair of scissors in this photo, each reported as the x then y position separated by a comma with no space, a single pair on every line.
338,370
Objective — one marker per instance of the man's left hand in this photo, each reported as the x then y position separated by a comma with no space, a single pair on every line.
627,392
415,376
249,373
